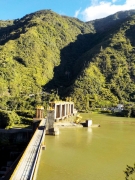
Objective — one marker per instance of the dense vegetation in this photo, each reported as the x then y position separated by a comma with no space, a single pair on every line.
109,74
44,55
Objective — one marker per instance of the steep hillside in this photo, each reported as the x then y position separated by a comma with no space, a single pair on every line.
31,48
44,51
109,75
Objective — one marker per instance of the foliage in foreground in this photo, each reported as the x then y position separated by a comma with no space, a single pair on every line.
129,172
8,118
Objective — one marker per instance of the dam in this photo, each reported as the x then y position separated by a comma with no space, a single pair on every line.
87,153
27,166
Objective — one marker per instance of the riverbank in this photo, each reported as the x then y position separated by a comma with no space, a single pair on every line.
99,118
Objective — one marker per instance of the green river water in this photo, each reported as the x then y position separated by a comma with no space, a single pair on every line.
90,153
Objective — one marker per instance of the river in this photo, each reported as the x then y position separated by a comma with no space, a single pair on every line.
90,153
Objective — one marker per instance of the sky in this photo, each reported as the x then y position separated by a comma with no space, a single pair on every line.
84,10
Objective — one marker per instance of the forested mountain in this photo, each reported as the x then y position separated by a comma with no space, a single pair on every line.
92,62
110,21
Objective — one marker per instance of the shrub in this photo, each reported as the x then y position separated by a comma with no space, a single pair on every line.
28,114
8,118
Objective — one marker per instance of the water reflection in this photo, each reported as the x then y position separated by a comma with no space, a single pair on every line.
89,136
89,153
89,129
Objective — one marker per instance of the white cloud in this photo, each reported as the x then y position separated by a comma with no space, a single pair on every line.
77,13
94,2
114,1
100,9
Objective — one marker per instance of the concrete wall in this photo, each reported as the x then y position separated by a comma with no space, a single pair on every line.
62,109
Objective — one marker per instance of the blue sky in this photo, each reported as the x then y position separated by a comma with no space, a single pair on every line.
85,10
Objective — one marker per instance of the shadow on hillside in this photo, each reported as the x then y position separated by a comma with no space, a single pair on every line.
129,34
73,61
76,56
12,32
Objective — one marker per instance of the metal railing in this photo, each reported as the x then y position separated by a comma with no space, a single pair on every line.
26,166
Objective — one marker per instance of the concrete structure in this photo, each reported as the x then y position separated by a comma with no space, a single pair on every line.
39,113
28,164
50,129
26,167
58,110
88,123
62,109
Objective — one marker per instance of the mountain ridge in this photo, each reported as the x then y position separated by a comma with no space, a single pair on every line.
44,50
